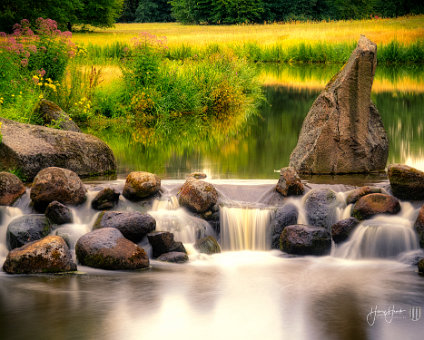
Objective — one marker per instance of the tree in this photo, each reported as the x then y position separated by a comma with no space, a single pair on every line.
153,11
128,11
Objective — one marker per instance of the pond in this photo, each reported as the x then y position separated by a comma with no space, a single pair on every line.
265,143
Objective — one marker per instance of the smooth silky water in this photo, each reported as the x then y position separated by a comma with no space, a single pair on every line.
248,291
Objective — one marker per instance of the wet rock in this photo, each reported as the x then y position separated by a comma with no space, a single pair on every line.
174,257
284,216
305,240
163,242
25,229
132,224
107,248
289,182
341,231
373,204
53,115
49,255
140,185
197,175
207,245
419,226
106,199
11,188
59,213
343,131
197,195
320,206
356,194
421,267
406,182
31,148
57,184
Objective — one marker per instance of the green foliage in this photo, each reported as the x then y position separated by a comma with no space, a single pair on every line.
153,11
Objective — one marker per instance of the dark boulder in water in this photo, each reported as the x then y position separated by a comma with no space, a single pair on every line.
27,228
341,230
197,195
356,194
321,207
174,257
140,185
305,240
419,226
59,213
57,184
289,182
373,204
106,199
11,188
132,224
163,242
406,182
284,216
208,245
107,248
343,131
48,255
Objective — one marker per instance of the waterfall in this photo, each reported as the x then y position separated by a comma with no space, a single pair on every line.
171,217
245,228
382,236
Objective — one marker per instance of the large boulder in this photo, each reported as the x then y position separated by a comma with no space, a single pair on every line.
305,240
174,257
284,216
343,131
406,182
59,213
289,182
419,226
356,194
105,199
57,184
27,228
107,248
373,204
208,245
132,224
11,188
341,230
49,255
320,207
31,148
140,185
53,115
163,242
197,195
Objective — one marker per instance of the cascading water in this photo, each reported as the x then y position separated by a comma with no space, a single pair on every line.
382,236
245,228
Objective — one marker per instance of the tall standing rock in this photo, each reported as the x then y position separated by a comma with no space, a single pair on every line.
343,131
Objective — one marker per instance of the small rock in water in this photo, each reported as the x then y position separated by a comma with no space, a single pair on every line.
284,216
106,199
140,185
421,267
132,224
289,182
25,229
341,231
356,194
320,206
207,245
373,204
406,182
305,240
107,248
419,226
57,184
48,255
174,257
198,196
163,242
58,213
11,188
197,175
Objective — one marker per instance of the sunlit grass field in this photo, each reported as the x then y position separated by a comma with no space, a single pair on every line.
381,31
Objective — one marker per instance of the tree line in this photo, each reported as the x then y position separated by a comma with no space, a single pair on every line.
104,13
